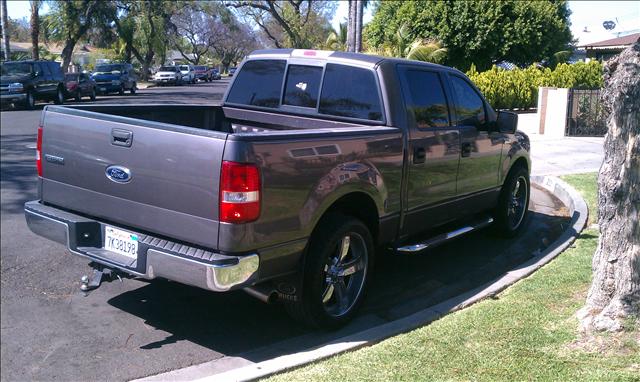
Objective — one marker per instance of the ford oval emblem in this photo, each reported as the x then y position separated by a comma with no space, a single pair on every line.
118,174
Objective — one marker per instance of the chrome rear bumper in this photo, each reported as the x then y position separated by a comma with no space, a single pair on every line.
83,237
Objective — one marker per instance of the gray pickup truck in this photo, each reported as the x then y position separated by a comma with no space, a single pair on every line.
286,189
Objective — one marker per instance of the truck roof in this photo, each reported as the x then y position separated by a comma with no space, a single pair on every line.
336,56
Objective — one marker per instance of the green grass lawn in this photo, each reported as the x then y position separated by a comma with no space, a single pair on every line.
528,333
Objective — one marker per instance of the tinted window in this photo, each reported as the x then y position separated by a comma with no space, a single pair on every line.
71,77
350,92
167,69
303,86
184,68
109,68
259,83
469,105
16,69
44,68
427,98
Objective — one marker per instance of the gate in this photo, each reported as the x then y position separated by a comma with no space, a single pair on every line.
586,115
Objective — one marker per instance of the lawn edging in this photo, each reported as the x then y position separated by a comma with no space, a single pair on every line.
579,215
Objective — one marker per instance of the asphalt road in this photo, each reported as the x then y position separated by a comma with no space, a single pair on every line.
131,329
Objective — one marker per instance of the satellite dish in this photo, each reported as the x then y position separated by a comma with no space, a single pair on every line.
609,25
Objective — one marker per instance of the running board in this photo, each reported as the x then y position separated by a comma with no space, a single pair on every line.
437,240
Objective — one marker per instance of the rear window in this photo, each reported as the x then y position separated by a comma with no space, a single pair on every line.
71,76
184,67
303,86
259,83
167,69
350,92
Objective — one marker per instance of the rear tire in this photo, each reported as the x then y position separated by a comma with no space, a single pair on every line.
133,89
93,94
59,100
338,262
78,96
513,204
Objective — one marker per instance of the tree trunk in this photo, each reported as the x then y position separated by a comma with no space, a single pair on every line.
358,29
615,289
5,30
351,26
35,29
67,53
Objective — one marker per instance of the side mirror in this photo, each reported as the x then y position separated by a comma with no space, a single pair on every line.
507,122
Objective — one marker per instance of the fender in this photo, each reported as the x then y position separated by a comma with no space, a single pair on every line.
518,146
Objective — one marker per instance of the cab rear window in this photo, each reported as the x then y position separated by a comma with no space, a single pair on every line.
334,89
350,92
259,83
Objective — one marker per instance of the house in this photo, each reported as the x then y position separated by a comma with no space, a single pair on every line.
604,50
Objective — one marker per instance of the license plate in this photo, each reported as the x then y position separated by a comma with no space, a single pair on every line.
103,89
122,242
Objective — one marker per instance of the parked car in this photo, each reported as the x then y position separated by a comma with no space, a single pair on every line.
168,75
202,73
232,71
312,161
115,78
215,74
188,74
79,85
25,82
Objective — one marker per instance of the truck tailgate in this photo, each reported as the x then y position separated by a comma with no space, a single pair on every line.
172,189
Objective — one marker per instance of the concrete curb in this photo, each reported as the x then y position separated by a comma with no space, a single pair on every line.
579,213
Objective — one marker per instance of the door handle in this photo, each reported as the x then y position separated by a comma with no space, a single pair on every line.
466,149
419,155
121,137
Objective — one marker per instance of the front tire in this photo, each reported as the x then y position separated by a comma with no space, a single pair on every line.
59,100
93,94
121,91
513,204
30,101
337,267
78,96
133,89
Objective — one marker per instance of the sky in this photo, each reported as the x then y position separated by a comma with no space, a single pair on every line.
585,14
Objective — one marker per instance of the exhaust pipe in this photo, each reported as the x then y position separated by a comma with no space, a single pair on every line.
264,293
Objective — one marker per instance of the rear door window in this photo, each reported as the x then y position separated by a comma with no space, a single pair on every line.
350,92
303,86
469,105
259,83
426,98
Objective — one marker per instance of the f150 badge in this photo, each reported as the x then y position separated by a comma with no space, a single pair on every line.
118,174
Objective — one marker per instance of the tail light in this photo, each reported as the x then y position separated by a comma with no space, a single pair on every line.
239,192
39,152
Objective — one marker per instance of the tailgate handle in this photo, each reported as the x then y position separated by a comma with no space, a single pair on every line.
121,137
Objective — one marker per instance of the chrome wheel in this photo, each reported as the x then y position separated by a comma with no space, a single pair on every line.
344,275
517,204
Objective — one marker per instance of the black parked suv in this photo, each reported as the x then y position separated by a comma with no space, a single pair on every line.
25,82
115,78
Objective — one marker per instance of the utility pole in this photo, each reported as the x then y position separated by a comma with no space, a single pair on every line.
5,30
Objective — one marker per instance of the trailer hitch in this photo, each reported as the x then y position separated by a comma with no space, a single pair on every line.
100,273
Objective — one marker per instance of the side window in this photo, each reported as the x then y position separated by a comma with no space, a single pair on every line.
259,83
54,68
350,92
302,86
44,69
428,101
469,105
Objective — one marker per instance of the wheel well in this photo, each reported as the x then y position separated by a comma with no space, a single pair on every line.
360,206
520,162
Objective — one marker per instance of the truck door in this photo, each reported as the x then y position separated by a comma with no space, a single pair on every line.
434,150
481,147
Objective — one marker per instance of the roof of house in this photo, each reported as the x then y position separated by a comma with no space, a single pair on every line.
621,41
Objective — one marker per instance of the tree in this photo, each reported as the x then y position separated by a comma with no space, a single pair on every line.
427,51
197,28
337,39
69,21
615,290
236,41
289,23
480,32
35,29
5,29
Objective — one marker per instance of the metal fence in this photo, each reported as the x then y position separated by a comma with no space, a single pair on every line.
586,114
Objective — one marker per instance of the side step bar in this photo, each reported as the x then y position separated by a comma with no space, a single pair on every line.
437,240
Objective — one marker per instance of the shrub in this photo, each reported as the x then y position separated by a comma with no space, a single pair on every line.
518,88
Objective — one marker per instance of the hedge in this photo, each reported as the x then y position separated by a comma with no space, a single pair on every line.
518,88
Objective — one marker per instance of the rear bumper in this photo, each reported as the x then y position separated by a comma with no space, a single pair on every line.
156,257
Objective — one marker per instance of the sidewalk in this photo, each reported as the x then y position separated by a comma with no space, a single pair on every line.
558,156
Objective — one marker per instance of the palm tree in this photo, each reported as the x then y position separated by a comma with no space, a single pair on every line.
428,51
35,28
337,39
